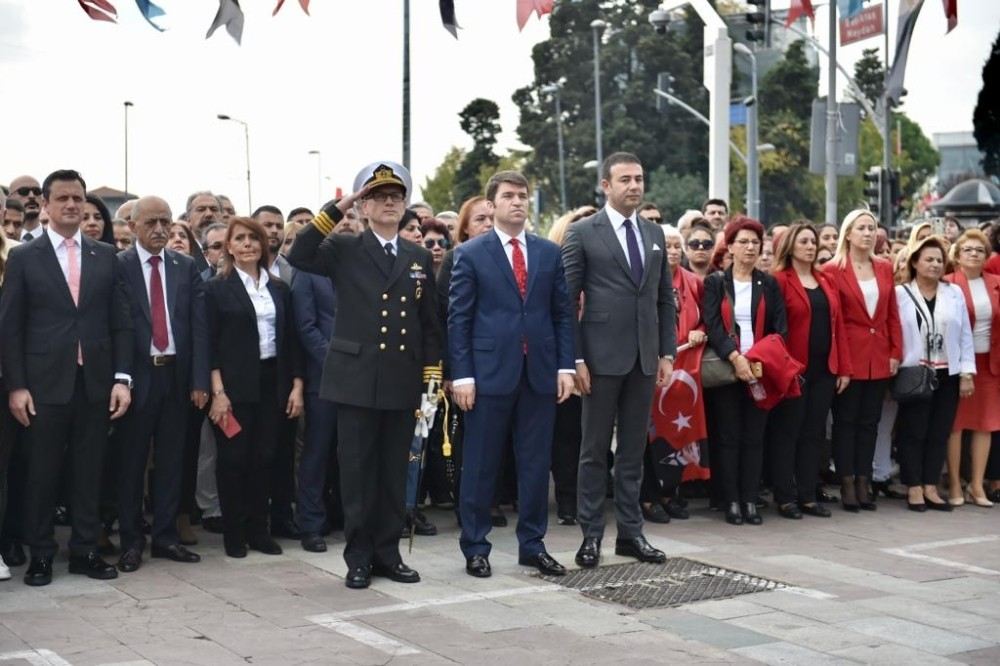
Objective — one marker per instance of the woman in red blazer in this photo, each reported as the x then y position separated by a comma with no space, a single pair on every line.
980,412
874,343
817,339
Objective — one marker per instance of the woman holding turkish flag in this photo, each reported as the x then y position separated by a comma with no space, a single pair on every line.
672,451
817,339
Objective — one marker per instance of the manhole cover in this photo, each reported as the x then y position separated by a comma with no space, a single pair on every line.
676,582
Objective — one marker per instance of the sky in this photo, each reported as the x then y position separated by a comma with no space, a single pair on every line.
329,82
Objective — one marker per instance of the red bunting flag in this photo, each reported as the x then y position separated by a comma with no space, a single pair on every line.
526,7
302,3
679,414
99,10
951,12
797,9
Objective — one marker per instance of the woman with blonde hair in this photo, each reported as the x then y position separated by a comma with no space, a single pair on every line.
561,225
871,320
980,412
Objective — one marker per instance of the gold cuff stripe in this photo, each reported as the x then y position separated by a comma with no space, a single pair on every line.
323,222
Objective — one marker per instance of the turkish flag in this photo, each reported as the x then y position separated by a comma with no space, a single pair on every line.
679,417
525,8
797,9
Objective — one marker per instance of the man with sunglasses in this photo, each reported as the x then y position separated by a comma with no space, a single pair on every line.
386,342
26,190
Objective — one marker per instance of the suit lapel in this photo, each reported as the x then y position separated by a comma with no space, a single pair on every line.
134,267
855,287
88,267
279,312
799,290
403,258
756,293
499,254
240,292
47,254
607,234
646,237
171,273
375,250
534,260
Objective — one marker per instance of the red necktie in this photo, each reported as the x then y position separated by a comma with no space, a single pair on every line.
520,269
157,307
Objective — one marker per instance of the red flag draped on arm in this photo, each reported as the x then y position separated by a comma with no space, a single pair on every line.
679,415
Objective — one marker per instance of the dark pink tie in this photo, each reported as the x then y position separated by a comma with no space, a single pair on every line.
157,308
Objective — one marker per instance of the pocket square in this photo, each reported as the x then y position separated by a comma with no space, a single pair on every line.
656,248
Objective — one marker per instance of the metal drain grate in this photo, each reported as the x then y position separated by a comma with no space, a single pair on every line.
676,582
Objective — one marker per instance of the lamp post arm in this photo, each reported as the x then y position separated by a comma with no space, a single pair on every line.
697,114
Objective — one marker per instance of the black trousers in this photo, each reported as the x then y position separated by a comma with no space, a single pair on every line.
566,452
283,472
797,429
8,435
77,430
162,420
372,448
922,433
856,413
243,463
738,441
189,465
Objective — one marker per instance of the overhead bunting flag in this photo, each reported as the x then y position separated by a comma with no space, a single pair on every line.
539,7
149,12
231,16
448,17
797,9
99,10
908,12
302,3
848,8
951,12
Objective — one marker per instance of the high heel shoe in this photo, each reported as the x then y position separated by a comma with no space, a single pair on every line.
886,489
848,495
956,501
982,502
733,514
937,506
865,500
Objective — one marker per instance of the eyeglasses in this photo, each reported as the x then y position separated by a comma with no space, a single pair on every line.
701,244
25,191
214,246
382,197
443,243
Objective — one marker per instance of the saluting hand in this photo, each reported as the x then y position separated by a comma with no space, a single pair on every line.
346,203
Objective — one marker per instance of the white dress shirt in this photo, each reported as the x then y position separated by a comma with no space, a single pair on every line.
618,224
382,241
35,233
267,314
147,273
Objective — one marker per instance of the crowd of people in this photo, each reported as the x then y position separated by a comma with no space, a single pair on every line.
264,377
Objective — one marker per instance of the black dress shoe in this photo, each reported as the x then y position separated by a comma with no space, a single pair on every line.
938,506
237,550
675,509
358,578
13,554
285,529
92,566
825,497
750,515
733,514
212,524
655,513
790,510
39,572
919,507
399,573
264,544
640,549
815,509
544,562
419,523
313,543
566,518
175,552
886,489
130,560
61,516
497,518
589,554
478,566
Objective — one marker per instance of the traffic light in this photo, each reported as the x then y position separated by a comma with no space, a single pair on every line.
894,197
757,20
664,82
873,190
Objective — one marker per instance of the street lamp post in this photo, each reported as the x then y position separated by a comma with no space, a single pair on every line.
555,90
246,141
598,26
319,176
127,104
753,165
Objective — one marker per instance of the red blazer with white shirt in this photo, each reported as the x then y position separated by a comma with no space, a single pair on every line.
799,313
992,283
871,341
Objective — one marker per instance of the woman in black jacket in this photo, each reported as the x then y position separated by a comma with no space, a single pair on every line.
741,305
256,381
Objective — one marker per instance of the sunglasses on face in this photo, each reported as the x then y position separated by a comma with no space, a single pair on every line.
443,243
701,244
25,191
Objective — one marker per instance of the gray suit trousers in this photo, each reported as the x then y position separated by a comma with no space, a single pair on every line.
629,398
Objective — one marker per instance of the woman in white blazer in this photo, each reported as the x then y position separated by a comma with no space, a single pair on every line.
936,332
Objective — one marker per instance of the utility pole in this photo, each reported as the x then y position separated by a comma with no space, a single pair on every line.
831,120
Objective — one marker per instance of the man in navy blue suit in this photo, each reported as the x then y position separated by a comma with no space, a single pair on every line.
510,333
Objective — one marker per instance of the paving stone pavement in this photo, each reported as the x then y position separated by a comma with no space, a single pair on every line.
890,587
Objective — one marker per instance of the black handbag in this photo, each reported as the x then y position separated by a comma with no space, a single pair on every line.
717,371
915,383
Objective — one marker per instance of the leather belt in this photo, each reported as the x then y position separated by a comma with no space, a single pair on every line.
159,361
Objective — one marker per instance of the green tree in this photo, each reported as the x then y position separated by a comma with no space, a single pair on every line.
675,193
480,119
986,117
439,189
869,75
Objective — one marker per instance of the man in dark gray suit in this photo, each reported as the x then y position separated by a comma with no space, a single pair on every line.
625,342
